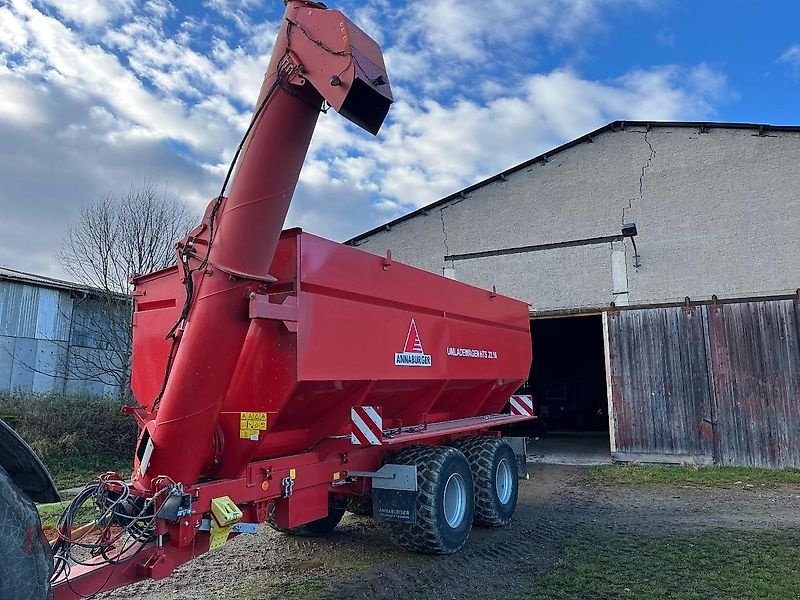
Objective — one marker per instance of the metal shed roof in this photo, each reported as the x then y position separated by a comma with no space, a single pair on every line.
42,281
702,127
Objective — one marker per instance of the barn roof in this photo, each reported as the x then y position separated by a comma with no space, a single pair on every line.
614,126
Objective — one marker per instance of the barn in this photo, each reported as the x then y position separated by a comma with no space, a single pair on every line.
661,262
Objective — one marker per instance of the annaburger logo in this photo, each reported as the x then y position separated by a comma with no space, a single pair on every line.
412,355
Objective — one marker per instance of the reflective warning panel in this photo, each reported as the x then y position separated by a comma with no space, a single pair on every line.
521,405
367,426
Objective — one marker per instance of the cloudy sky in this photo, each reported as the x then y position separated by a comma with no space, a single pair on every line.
99,95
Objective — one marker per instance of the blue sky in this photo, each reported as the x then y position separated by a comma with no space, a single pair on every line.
99,95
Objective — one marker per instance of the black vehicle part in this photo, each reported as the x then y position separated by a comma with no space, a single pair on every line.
24,467
26,561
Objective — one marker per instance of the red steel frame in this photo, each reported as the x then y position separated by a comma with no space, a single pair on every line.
317,474
299,329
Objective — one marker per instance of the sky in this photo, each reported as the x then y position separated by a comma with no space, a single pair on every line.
97,96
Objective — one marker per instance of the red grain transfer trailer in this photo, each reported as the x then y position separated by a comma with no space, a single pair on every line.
283,378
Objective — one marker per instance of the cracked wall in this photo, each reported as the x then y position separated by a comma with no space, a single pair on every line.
717,213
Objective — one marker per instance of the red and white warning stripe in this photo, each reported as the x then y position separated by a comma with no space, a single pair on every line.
522,405
367,426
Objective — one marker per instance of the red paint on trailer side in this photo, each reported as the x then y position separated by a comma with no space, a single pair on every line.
353,317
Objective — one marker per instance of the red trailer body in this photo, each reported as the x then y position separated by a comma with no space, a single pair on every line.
342,328
279,375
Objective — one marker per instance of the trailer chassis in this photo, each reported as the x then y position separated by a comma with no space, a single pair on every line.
299,485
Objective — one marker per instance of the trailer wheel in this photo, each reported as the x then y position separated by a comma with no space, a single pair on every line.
495,472
26,561
319,528
445,500
360,506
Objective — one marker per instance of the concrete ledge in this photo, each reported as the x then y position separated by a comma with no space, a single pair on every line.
663,459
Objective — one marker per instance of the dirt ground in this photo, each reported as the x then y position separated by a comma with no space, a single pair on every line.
555,506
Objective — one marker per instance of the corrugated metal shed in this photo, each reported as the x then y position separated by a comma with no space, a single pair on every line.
44,328
7,274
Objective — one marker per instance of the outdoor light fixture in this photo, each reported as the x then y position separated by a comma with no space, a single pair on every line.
629,231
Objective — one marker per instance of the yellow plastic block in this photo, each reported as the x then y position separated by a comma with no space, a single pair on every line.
225,511
225,514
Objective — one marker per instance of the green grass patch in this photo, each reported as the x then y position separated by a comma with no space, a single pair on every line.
77,437
73,471
720,564
708,476
49,513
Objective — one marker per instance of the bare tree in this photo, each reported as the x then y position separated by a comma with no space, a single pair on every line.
115,238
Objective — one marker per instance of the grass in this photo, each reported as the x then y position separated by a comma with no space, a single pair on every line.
76,471
720,564
77,437
688,475
50,513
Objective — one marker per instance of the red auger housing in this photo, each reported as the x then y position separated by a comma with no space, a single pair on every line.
277,373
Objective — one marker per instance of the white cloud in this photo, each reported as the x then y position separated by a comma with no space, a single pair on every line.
12,35
791,56
236,11
91,12
19,102
206,125
439,44
161,9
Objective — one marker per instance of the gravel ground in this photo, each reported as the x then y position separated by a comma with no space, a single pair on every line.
556,505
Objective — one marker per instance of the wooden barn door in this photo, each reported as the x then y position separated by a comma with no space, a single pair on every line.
754,360
659,390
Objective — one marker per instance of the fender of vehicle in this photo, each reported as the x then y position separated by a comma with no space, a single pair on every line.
26,470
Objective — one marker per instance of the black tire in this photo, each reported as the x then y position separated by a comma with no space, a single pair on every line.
360,505
437,467
319,528
488,456
26,561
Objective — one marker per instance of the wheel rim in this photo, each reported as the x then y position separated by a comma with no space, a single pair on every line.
504,481
455,500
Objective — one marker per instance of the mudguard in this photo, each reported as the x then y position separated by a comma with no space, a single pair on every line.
25,469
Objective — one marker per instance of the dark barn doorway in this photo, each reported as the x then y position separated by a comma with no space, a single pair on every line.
568,383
